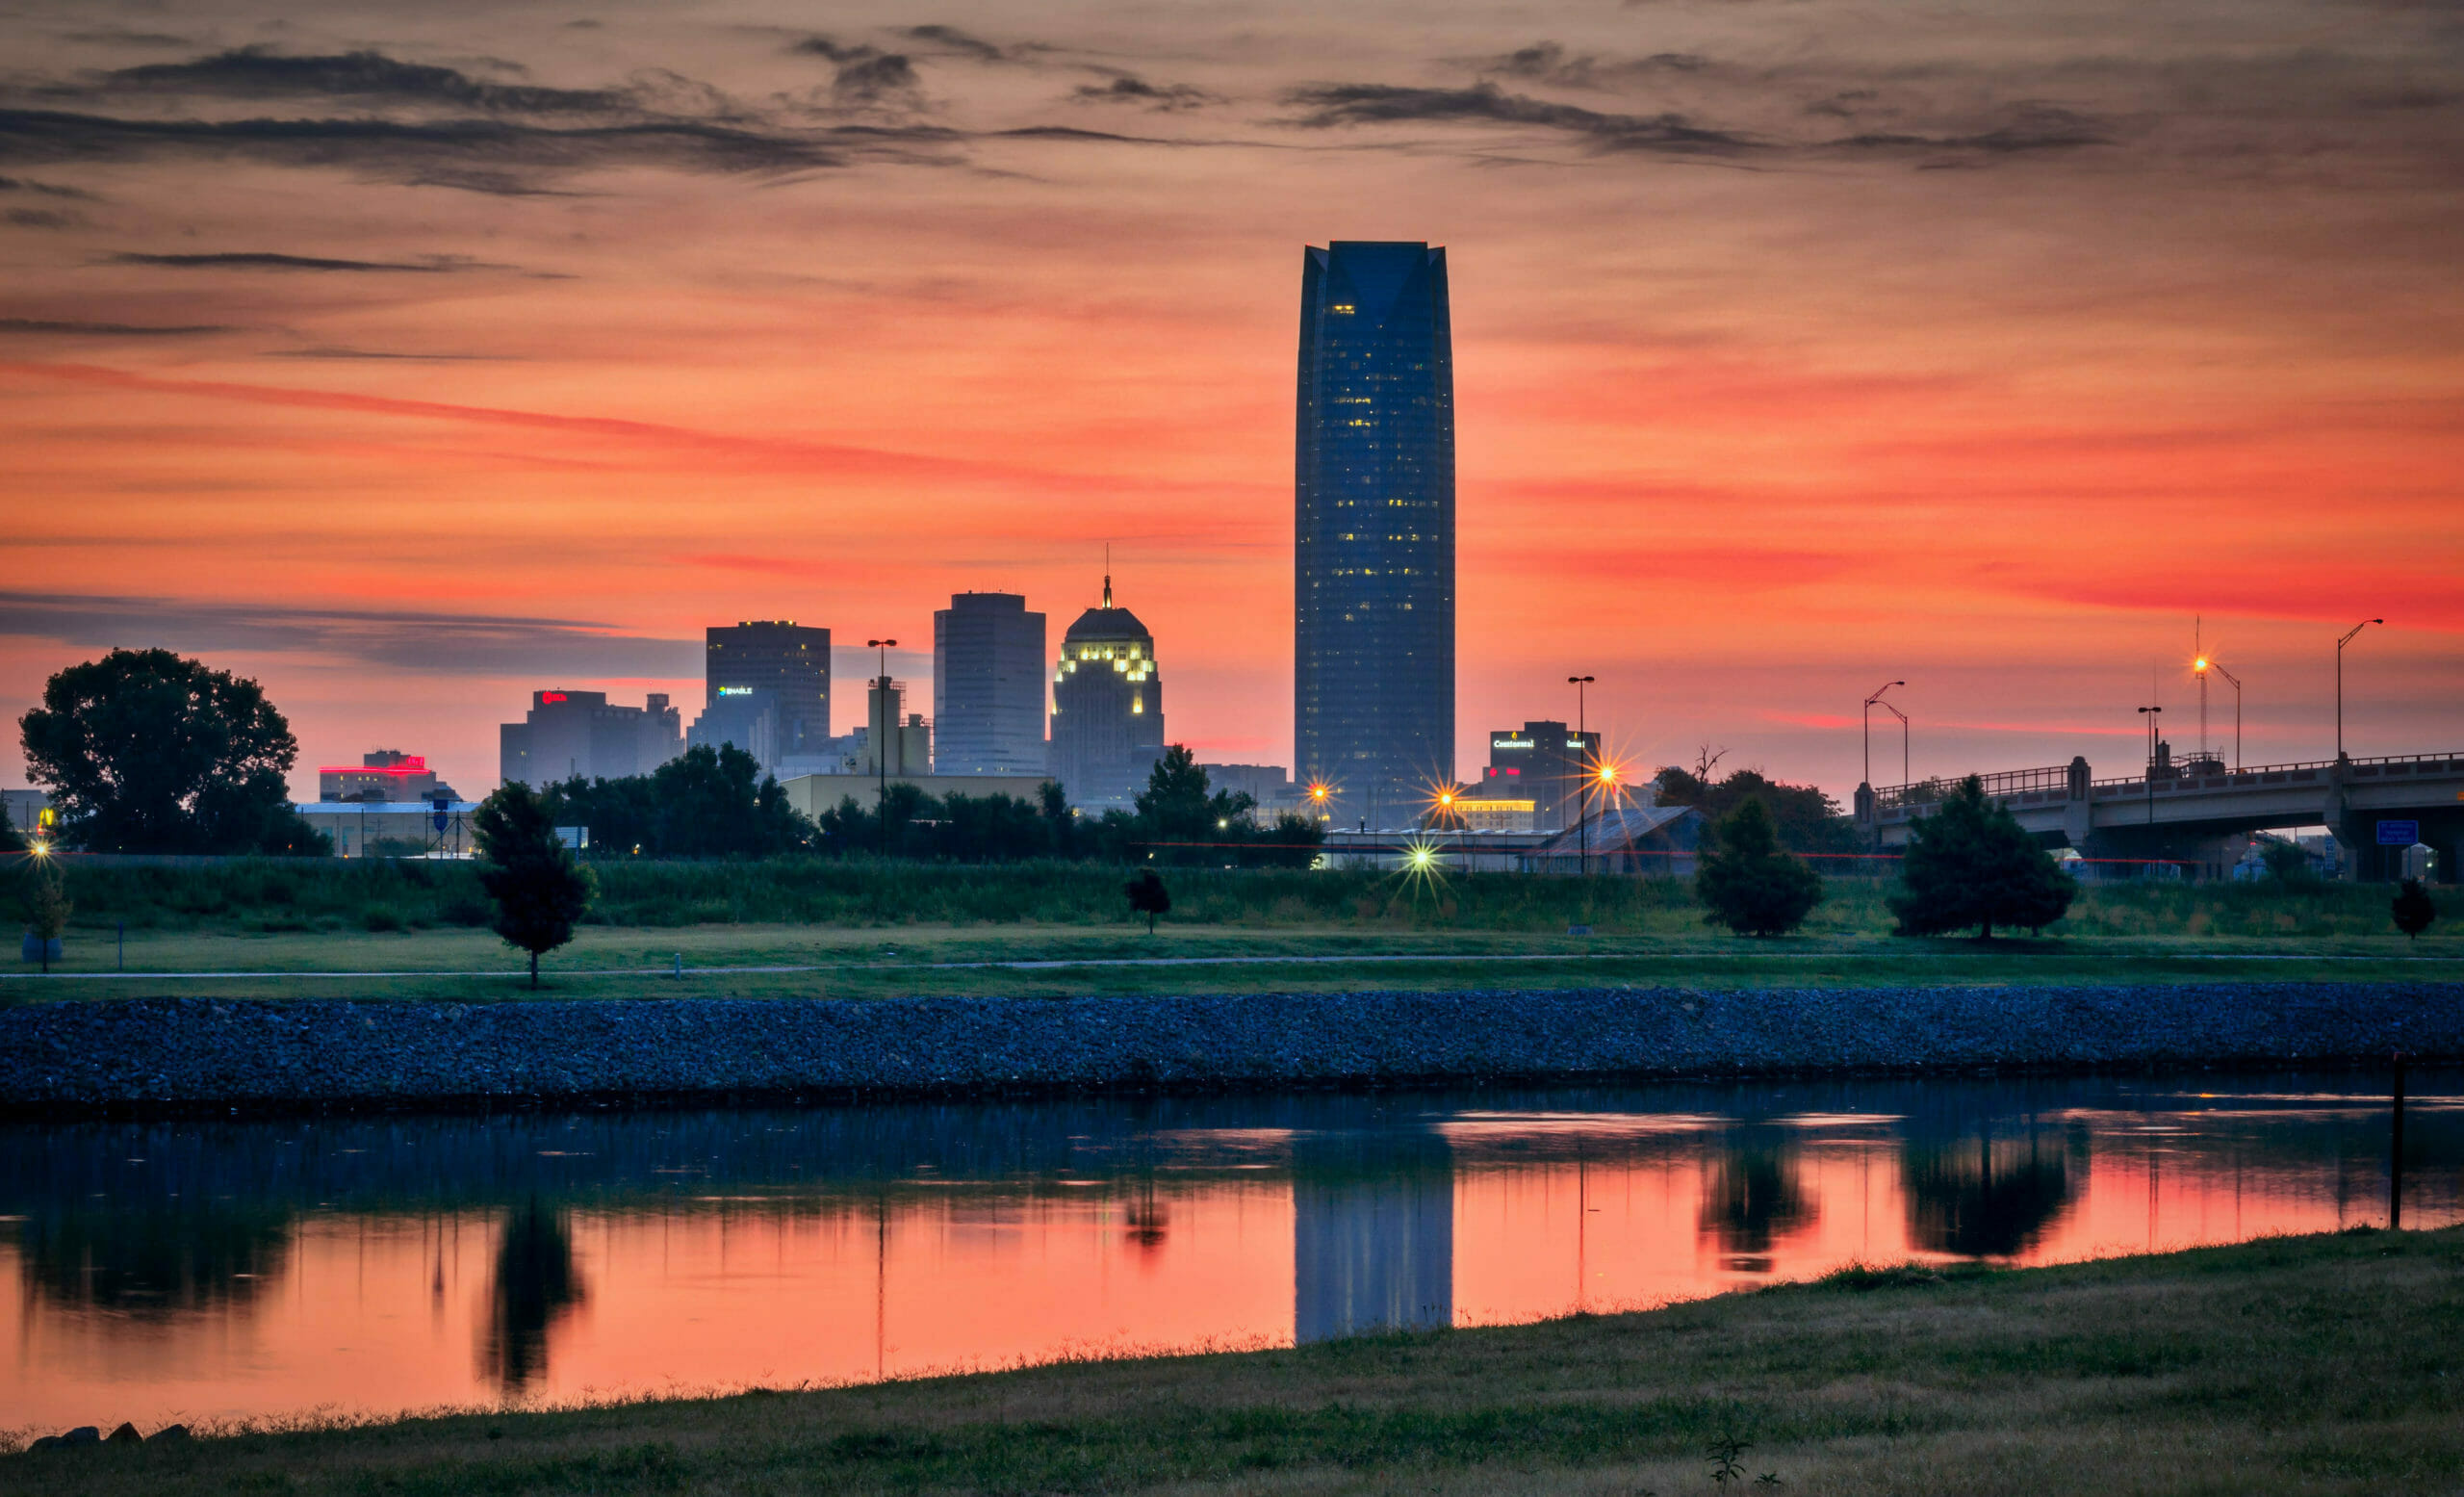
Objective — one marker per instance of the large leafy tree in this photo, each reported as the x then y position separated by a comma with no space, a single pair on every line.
1804,818
540,889
1972,865
147,751
1179,806
704,802
1747,882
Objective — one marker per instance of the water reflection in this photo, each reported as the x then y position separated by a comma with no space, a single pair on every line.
1373,1233
536,1286
1754,1197
187,1271
1981,1196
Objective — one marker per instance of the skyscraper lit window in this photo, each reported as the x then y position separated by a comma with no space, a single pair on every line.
1374,547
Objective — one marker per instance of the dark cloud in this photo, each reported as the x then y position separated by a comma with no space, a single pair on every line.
255,260
2023,128
258,73
483,155
953,41
1129,89
867,77
42,219
27,324
424,643
1331,105
1550,62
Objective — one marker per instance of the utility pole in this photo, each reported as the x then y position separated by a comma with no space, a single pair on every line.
2340,682
880,731
1582,792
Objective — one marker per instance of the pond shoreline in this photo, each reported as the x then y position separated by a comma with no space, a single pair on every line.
206,1056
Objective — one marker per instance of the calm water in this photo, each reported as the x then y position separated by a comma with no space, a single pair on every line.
202,1270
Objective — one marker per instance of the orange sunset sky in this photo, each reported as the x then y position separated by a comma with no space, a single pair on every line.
411,358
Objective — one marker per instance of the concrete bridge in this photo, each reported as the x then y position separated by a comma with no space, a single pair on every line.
2200,812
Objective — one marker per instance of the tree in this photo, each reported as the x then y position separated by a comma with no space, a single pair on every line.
48,911
146,751
1972,864
704,803
2413,910
1747,883
1147,897
10,841
1804,818
1177,807
2287,862
540,889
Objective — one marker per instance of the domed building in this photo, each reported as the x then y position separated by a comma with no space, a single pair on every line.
1107,708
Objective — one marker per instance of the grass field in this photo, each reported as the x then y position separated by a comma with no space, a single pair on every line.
841,927
2315,1365
614,962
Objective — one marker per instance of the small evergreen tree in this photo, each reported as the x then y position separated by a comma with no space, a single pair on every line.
1971,863
10,841
1147,897
2413,910
48,911
540,889
1746,882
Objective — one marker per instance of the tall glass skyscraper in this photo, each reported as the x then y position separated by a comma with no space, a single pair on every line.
987,687
1373,548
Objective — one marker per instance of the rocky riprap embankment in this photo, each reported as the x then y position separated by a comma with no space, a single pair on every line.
187,1052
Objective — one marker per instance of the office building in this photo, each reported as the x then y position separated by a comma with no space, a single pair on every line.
382,775
779,657
1374,533
987,687
1373,1236
749,719
1107,708
1270,785
581,732
1547,763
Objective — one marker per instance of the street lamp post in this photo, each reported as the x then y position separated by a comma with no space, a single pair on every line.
2344,640
1582,792
879,731
2150,777
2203,665
1870,702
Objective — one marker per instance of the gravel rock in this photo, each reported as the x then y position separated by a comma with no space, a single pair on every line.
191,1053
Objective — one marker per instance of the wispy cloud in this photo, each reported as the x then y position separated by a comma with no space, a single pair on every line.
1329,106
78,329
262,73
1551,62
258,260
395,640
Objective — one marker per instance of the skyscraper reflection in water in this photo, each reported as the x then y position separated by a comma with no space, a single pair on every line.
1373,1235
536,1286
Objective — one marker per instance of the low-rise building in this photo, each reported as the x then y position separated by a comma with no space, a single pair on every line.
382,775
569,733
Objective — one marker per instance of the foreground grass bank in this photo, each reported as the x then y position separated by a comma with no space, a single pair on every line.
2296,1365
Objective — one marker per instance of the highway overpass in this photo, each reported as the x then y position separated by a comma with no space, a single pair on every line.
2201,814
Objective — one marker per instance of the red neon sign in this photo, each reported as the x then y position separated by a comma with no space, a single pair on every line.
552,696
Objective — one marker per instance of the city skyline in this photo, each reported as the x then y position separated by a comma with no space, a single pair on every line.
1789,362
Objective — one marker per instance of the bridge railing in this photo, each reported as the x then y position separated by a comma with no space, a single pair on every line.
2006,782
2257,776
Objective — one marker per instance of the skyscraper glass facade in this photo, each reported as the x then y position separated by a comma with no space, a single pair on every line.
777,655
989,687
1373,546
